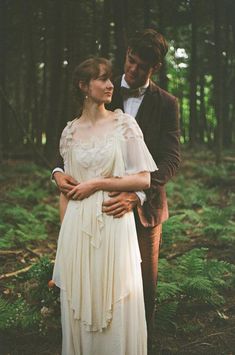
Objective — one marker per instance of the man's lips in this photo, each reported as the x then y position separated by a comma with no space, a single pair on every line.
130,76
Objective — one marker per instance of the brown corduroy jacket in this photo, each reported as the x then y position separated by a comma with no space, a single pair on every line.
158,118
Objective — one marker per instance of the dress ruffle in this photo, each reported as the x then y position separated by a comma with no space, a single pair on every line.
95,244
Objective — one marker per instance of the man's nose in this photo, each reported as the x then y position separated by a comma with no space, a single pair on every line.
133,68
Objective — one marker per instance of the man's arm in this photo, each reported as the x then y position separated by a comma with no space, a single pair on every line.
64,182
167,159
168,152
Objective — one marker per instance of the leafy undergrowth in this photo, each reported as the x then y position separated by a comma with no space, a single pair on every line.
195,294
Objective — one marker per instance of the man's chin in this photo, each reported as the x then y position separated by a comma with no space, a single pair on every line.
131,82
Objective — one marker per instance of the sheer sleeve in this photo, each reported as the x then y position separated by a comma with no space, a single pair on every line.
136,155
66,139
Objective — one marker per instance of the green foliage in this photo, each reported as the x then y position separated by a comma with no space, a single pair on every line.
46,213
27,210
31,193
191,278
37,307
174,229
17,315
190,194
18,226
201,210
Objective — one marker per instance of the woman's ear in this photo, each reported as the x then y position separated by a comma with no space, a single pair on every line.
83,86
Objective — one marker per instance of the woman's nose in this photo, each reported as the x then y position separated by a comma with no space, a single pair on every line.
110,84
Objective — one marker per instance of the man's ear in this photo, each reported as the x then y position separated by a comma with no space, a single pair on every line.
157,67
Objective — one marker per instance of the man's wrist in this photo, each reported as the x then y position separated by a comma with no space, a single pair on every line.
56,170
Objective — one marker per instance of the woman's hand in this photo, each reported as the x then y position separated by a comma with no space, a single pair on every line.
82,190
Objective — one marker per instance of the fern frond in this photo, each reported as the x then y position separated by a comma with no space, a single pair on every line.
167,291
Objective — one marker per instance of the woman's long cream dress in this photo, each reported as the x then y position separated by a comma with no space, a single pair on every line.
97,264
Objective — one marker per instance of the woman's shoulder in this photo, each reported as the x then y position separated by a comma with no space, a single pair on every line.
128,124
70,125
124,116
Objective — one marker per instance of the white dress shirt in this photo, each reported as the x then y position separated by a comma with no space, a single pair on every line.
131,106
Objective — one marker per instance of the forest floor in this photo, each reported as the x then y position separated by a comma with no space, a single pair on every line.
201,229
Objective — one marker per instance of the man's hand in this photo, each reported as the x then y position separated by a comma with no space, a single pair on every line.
64,182
120,203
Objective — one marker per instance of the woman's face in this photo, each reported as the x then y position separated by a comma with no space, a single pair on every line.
101,88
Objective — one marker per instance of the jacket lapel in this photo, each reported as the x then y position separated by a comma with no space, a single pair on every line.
149,104
117,100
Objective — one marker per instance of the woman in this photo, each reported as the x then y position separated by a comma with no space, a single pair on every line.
97,265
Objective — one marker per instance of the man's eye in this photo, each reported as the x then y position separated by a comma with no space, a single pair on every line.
143,67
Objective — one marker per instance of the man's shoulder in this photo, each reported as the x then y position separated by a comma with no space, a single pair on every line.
163,94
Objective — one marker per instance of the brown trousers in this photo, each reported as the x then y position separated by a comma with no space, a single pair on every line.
149,243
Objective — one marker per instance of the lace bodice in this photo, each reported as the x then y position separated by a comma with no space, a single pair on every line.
116,149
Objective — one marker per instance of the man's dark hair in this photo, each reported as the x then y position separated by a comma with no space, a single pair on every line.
149,45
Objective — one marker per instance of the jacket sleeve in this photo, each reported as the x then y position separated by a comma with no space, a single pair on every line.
167,155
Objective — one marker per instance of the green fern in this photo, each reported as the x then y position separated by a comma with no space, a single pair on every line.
166,316
17,315
37,307
18,226
167,290
47,213
191,278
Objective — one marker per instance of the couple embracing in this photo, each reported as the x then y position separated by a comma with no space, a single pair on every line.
114,165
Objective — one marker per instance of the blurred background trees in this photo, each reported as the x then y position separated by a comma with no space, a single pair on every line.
43,41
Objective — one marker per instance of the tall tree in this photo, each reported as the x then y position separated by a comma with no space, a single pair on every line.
193,75
55,67
4,126
218,79
120,15
105,33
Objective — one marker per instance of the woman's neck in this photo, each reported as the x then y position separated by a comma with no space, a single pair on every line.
93,112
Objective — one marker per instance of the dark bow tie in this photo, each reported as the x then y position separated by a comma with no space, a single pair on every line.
126,92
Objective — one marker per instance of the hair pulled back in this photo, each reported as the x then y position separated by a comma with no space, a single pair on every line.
86,71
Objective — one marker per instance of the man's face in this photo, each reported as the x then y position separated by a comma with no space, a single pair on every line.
137,71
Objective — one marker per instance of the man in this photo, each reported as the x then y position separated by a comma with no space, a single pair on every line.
156,112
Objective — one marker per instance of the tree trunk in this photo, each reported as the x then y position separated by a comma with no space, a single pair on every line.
163,80
227,88
146,6
120,11
52,125
202,122
105,34
218,81
4,115
36,130
193,77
